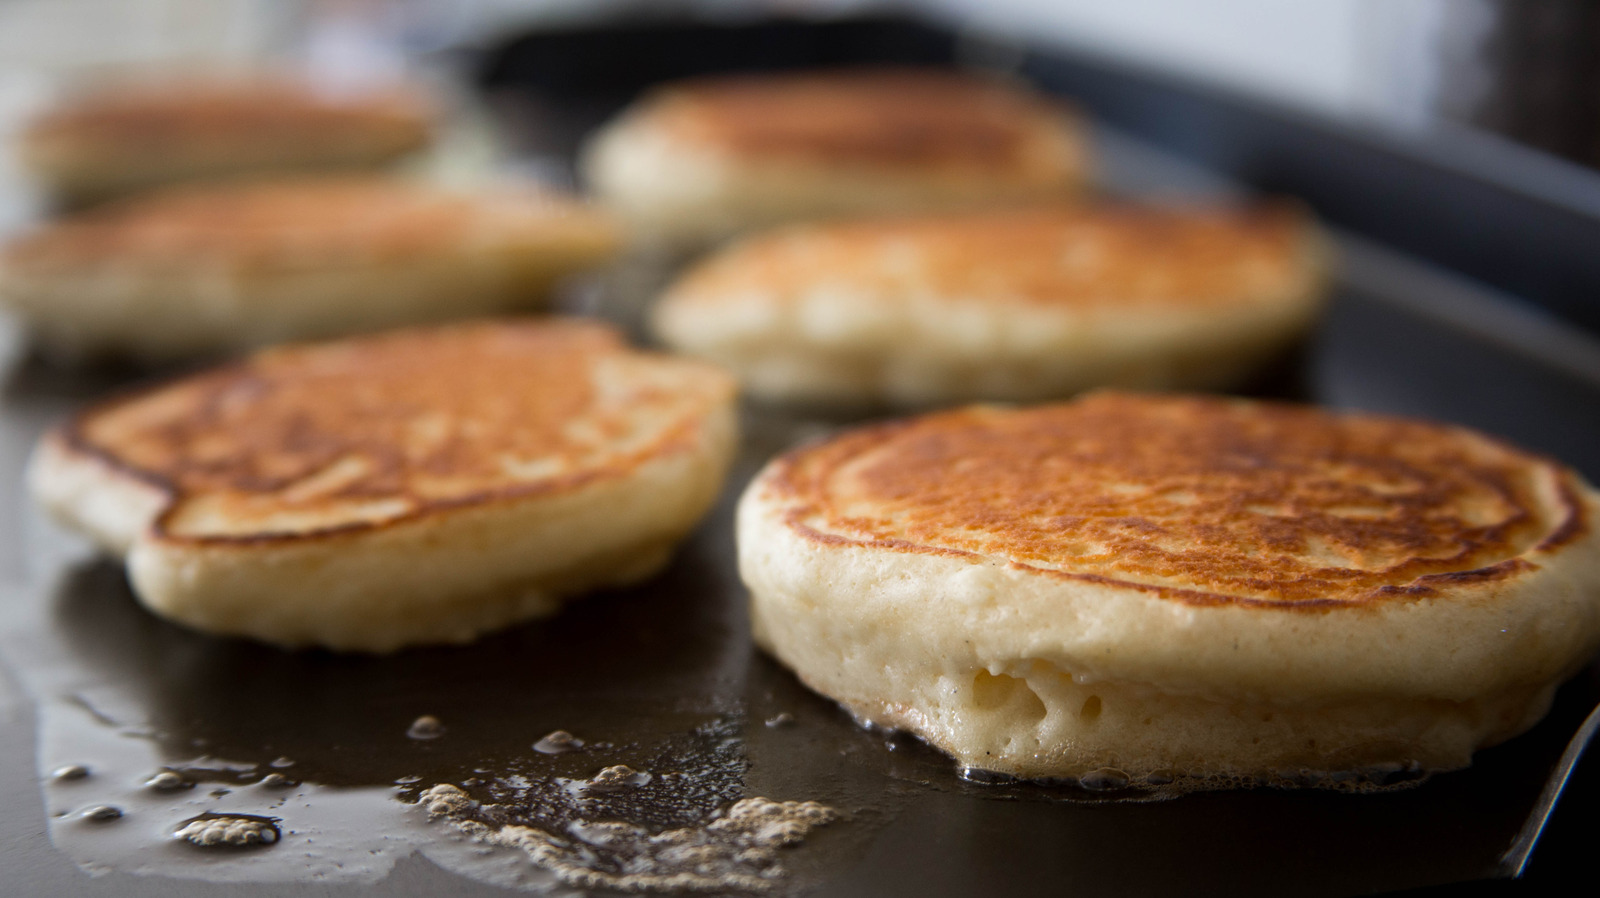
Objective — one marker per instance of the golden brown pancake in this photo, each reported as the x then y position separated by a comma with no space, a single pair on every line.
199,269
1203,500
1162,586
891,118
418,486
1016,304
136,135
1079,256
710,156
304,222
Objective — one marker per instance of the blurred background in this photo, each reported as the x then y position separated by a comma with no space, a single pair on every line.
1524,69
1506,91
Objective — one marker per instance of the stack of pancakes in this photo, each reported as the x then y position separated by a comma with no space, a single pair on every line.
1128,590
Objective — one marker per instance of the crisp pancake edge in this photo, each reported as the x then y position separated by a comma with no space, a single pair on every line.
1580,506
66,447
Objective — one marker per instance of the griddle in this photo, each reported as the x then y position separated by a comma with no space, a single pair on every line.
663,676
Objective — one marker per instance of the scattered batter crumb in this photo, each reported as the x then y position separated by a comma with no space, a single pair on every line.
735,849
230,830
425,727
620,776
445,800
781,719
558,742
168,781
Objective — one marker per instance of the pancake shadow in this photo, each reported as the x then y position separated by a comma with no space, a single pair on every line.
1286,377
627,666
36,377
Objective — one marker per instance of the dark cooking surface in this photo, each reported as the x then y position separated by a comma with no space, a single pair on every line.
666,675
663,677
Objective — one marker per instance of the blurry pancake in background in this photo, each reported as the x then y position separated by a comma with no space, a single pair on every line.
703,159
205,269
1171,591
420,486
119,138
1019,304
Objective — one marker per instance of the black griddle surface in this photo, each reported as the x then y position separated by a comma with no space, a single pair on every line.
664,676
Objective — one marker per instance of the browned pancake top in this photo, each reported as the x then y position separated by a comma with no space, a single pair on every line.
1085,257
888,117
1200,499
306,221
355,433
194,114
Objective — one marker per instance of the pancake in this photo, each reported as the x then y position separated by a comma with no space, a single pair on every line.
119,138
420,486
705,158
1019,304
202,270
1184,592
